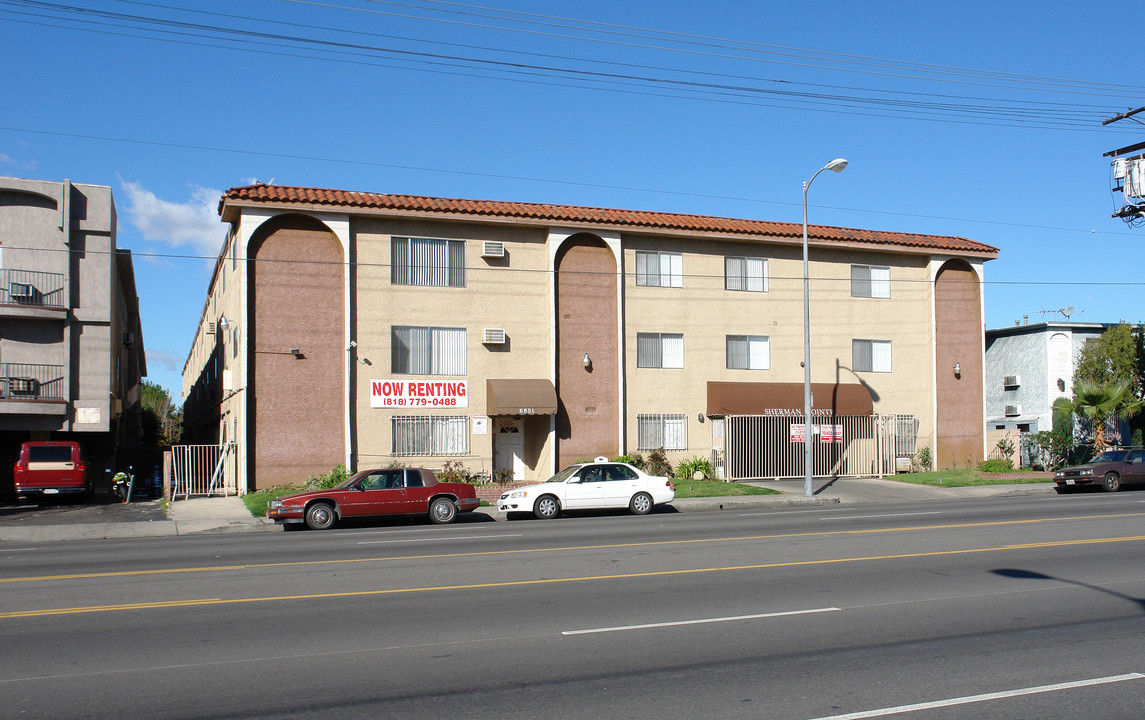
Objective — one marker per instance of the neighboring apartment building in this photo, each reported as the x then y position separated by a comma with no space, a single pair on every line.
1028,367
371,329
71,346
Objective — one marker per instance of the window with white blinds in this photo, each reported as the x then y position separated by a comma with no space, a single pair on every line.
744,273
424,261
430,434
748,352
659,269
669,432
660,350
427,350
871,355
870,281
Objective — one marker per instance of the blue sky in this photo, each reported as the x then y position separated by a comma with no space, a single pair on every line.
975,119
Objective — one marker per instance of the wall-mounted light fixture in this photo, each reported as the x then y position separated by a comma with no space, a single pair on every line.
699,417
296,352
587,360
957,370
224,323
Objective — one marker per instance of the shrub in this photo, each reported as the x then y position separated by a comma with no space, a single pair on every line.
658,463
996,466
636,461
329,480
687,469
502,476
453,471
924,460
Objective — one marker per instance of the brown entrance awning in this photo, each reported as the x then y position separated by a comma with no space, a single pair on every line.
520,397
745,398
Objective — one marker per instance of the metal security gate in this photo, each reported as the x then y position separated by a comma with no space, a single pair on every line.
203,470
771,447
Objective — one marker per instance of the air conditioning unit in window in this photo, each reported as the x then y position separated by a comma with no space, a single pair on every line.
1012,410
493,336
21,292
493,249
1011,381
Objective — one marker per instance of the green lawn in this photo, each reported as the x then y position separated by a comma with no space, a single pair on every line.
715,488
965,477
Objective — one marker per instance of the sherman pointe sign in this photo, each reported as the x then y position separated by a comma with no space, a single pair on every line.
419,393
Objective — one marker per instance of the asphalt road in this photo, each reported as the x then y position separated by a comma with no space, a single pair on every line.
1000,608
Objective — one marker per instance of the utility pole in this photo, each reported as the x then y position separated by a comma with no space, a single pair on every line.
1129,173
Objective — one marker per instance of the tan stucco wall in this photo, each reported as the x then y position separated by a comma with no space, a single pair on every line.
511,293
706,313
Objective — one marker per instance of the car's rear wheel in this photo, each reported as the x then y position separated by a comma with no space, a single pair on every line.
1112,482
640,504
320,516
442,511
547,507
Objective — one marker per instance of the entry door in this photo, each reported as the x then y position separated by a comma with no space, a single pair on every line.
510,451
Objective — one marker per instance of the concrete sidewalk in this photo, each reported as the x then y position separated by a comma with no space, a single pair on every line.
184,517
198,516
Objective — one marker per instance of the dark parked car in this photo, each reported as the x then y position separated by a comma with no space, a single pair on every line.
1110,470
390,491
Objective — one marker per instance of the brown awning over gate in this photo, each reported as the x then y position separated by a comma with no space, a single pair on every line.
777,398
520,397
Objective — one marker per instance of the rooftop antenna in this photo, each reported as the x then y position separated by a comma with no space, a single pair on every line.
1066,312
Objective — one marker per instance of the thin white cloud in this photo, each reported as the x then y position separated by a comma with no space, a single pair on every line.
6,159
194,222
157,359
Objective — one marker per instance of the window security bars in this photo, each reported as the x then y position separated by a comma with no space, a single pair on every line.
661,431
430,435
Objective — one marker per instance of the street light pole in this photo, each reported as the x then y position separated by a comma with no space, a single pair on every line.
835,165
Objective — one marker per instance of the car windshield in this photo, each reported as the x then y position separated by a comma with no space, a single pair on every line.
352,479
564,474
1108,457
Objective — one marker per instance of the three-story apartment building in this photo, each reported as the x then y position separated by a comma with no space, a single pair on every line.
71,345
371,329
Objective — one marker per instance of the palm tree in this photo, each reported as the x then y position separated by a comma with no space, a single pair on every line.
1099,403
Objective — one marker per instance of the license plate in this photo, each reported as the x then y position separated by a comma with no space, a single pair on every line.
1069,482
51,491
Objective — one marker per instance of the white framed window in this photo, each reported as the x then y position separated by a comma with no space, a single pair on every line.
660,350
661,431
427,350
870,281
430,434
871,355
425,261
748,352
659,269
744,273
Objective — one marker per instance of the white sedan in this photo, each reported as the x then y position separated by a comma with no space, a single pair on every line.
595,485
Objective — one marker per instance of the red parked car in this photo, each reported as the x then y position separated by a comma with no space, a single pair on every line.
51,469
390,491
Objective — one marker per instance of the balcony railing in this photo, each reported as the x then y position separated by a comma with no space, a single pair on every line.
21,381
29,287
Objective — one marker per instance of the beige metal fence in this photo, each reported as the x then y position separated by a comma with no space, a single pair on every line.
203,470
771,447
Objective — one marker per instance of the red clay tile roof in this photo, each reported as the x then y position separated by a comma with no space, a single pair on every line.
286,195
